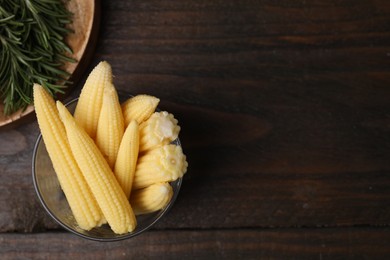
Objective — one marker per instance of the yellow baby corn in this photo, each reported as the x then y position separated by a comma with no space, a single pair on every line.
161,128
110,126
163,164
91,97
107,191
79,196
151,198
127,157
139,108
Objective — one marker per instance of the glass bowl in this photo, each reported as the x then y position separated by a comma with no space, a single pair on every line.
53,199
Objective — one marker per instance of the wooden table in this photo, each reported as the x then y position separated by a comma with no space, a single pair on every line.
285,115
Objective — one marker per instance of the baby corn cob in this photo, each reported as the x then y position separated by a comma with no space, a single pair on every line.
127,157
78,194
151,198
161,128
107,191
163,164
139,108
110,126
91,97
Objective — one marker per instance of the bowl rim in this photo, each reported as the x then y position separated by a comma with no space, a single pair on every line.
161,213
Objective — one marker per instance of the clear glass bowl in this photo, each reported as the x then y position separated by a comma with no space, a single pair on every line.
53,199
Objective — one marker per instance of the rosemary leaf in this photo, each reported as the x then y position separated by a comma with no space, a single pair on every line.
32,49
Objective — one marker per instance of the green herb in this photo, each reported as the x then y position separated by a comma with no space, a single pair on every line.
32,49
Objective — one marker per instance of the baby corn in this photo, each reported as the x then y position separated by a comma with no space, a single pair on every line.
161,128
139,108
163,164
78,194
151,198
127,157
107,191
91,97
110,126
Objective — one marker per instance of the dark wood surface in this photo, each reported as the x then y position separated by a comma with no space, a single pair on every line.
285,115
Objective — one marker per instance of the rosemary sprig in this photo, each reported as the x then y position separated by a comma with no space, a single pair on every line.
32,49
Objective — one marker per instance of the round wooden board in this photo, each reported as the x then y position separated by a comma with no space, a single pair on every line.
86,18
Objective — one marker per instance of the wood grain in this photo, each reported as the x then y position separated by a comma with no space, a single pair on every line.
284,108
274,188
349,243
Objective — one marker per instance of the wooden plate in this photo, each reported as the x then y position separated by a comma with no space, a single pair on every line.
86,18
